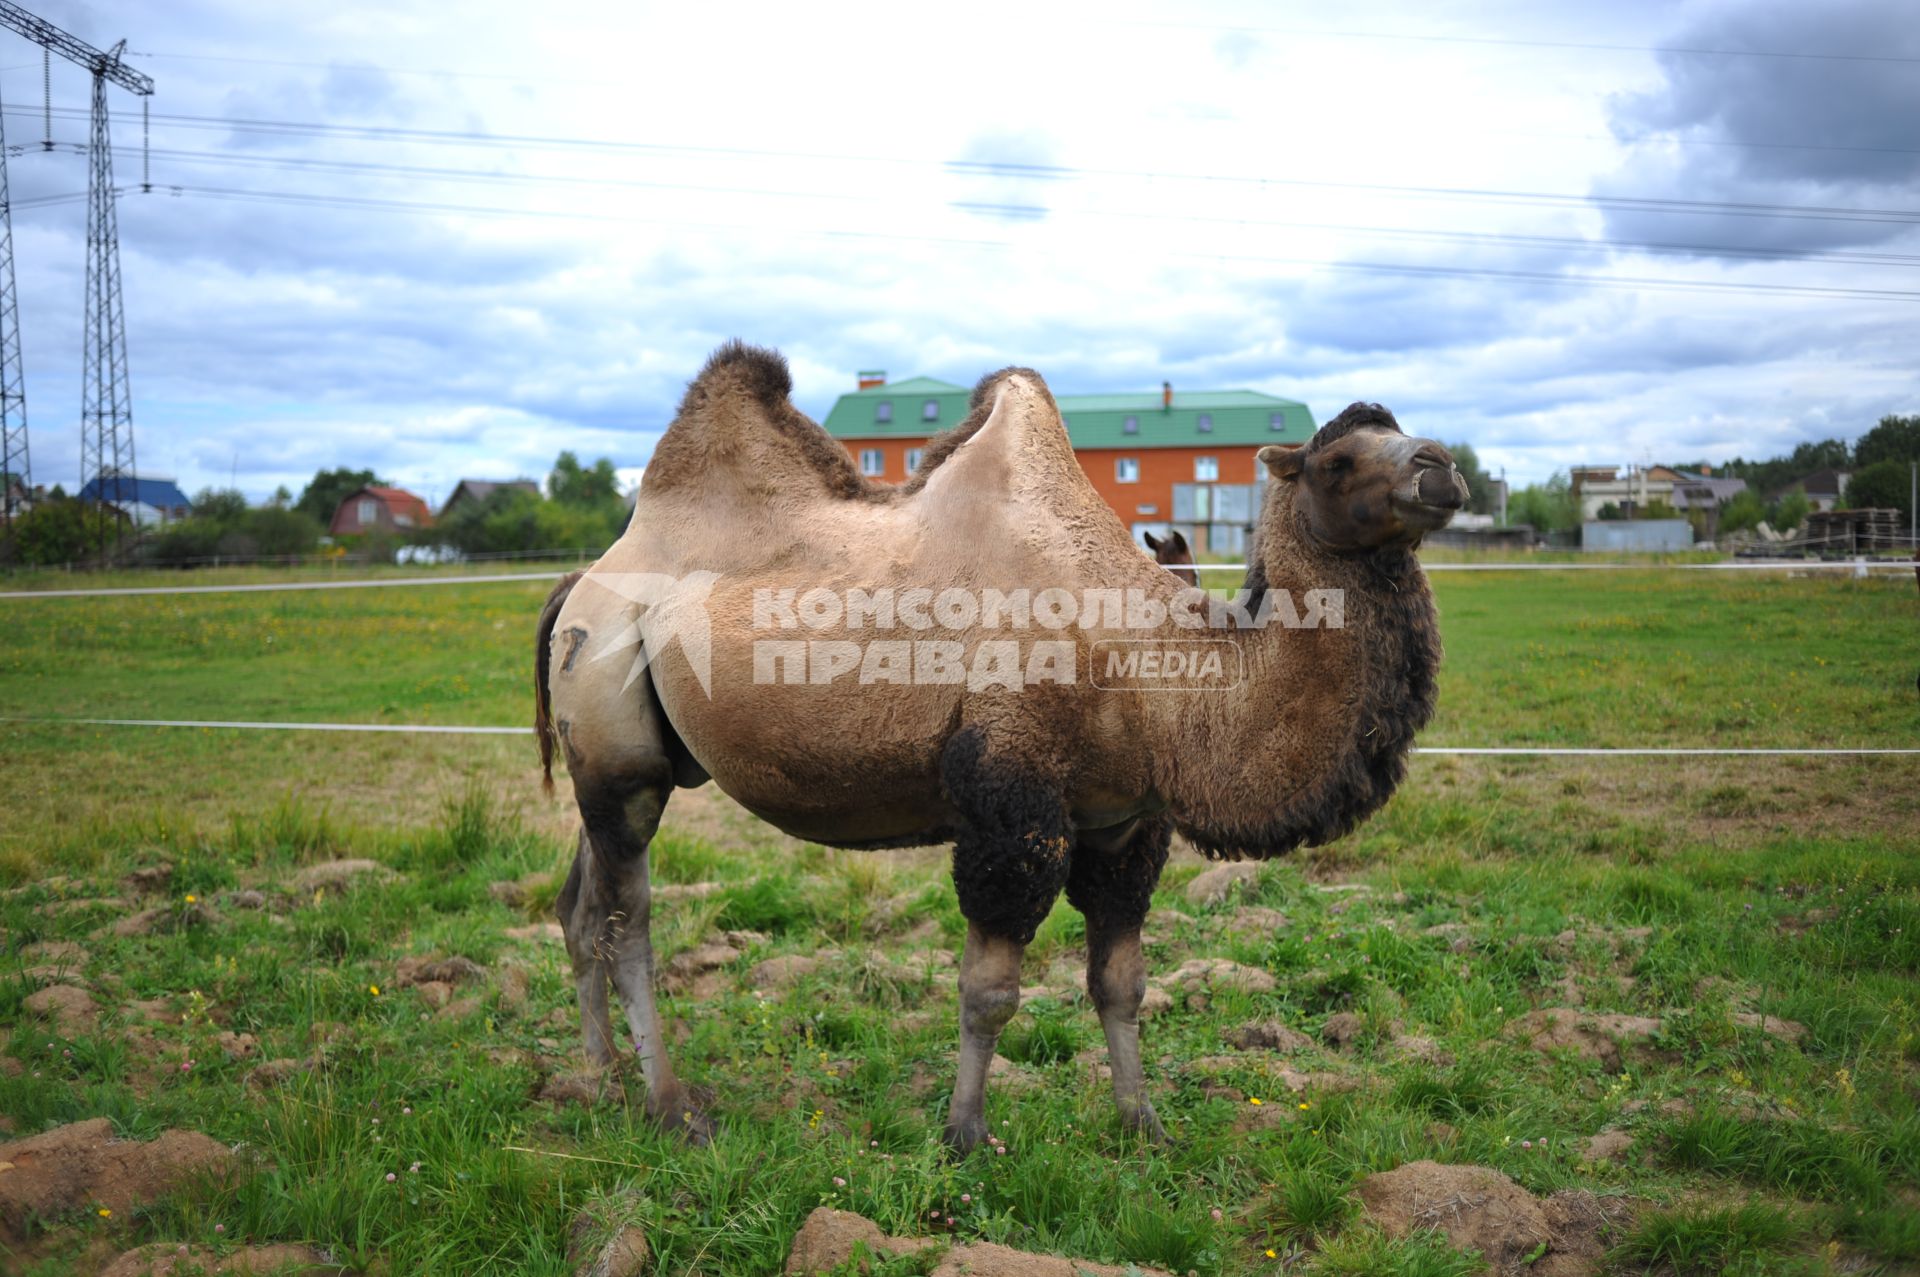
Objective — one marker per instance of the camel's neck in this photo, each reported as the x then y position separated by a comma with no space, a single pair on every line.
1316,738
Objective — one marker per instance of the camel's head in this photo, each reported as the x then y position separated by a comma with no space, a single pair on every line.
1361,485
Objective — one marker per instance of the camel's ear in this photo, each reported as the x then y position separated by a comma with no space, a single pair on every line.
1282,463
1178,541
1152,542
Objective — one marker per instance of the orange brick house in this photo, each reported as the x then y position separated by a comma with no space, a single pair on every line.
1182,460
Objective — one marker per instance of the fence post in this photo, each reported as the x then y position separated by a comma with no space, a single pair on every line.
1859,567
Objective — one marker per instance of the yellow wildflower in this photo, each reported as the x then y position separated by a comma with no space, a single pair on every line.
374,989
1252,1101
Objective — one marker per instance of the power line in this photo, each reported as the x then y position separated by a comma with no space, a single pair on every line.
1053,172
313,164
1392,268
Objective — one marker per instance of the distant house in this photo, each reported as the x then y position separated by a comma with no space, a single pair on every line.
377,509
1822,488
149,502
17,498
476,491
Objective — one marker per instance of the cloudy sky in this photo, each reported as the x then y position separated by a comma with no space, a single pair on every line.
450,239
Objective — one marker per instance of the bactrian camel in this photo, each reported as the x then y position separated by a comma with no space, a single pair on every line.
1064,784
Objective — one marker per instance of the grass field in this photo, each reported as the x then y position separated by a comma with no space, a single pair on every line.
1687,897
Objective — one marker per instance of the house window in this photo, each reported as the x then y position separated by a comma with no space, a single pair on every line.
1130,426
930,410
883,411
873,462
1206,469
369,511
1126,470
1205,423
1147,508
913,459
1277,421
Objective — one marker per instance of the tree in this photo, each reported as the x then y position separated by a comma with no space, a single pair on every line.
1479,485
221,505
1742,511
1549,507
1789,512
1896,438
1884,485
329,488
57,530
570,484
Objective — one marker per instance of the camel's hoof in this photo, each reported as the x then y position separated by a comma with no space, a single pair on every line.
687,1121
1146,1123
963,1137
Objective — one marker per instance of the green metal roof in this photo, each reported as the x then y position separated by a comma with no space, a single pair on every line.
1093,421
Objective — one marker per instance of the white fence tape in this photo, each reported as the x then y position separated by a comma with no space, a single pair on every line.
438,729
1858,567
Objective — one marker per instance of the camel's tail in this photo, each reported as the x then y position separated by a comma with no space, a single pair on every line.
542,662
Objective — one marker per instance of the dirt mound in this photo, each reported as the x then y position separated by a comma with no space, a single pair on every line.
1267,1035
606,1243
424,969
827,1240
1480,1209
160,920
338,875
1214,885
779,973
84,1167
167,1259
1591,1035
1200,975
71,1009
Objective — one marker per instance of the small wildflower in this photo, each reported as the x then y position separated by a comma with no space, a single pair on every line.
873,1143
193,900
966,1198
1304,1106
934,1214
1253,1099
376,1121
1270,1254
104,1213
1217,1216
219,1228
391,1177
950,1221
838,1182
406,1112
1001,1150
1526,1143
374,989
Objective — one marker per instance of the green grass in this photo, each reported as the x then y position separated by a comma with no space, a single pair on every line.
1785,887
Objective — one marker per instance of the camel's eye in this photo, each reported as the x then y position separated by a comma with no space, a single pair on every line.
1338,465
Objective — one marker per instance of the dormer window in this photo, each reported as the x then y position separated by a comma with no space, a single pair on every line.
1204,423
930,410
1130,426
1277,421
883,411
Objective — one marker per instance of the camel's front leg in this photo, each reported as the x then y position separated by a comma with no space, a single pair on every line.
989,995
1113,886
1009,862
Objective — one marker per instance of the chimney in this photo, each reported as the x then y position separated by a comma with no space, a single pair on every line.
873,377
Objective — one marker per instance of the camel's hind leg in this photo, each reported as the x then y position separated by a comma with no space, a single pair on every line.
614,739
1113,888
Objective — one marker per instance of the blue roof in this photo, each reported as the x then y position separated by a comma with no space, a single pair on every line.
162,494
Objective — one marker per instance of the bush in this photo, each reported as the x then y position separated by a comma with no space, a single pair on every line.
1884,485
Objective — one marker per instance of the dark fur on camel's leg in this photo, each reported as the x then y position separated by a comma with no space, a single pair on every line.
1114,890
1009,862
